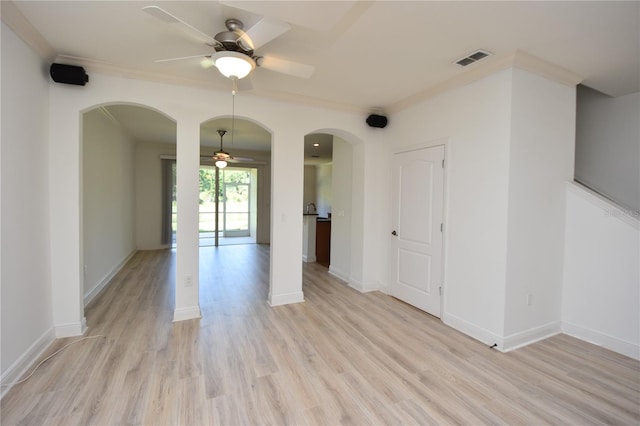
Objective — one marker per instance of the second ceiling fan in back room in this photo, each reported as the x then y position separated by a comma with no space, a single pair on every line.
235,48
221,158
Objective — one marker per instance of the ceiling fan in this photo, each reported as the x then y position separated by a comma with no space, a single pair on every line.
237,46
221,158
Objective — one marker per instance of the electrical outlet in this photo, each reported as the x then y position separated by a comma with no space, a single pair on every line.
529,299
188,281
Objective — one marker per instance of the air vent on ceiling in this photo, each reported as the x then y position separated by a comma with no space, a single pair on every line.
472,57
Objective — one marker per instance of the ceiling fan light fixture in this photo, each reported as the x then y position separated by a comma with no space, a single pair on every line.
233,64
221,164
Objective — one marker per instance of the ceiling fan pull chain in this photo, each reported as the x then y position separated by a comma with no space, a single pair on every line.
234,87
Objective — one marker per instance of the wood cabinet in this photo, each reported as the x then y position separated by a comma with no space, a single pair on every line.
323,242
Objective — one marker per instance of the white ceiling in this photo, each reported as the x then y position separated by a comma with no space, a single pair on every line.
367,55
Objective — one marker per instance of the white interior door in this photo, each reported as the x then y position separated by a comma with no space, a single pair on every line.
416,260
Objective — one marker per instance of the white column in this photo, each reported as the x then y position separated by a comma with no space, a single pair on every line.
374,228
287,180
187,193
309,238
65,172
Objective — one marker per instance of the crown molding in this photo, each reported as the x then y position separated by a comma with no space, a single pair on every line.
309,101
518,59
15,20
105,68
481,70
548,70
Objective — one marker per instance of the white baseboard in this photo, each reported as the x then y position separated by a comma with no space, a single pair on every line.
503,344
157,247
338,274
308,259
71,329
363,287
527,337
472,330
286,299
600,339
189,313
107,279
26,360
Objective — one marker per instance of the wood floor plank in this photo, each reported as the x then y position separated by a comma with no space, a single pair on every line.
341,357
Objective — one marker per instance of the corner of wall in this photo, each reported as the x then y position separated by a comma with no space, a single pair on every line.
71,329
285,299
540,161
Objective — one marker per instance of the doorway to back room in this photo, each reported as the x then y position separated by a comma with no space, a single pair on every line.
232,215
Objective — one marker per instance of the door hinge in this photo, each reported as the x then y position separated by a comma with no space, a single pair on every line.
442,227
440,290
443,163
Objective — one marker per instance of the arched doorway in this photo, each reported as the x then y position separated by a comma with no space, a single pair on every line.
122,145
234,199
328,202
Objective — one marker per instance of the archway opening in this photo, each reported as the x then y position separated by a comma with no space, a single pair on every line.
122,149
328,202
235,198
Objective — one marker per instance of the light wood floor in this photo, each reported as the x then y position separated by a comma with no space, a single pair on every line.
339,358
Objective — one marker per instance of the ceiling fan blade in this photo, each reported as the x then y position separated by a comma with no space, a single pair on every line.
241,159
263,32
295,69
206,62
181,58
186,28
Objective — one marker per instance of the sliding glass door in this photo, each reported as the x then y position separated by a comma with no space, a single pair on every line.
234,202
236,207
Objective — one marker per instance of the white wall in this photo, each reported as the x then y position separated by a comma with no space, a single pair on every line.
26,315
356,278
608,145
540,161
340,264
509,149
108,200
263,232
309,186
474,121
601,294
324,188
148,182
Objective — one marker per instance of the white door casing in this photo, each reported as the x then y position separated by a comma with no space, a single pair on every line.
417,236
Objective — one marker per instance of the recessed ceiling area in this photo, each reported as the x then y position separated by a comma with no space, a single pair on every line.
147,125
318,149
142,123
246,136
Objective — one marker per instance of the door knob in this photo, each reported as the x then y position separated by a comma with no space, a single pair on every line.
394,233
